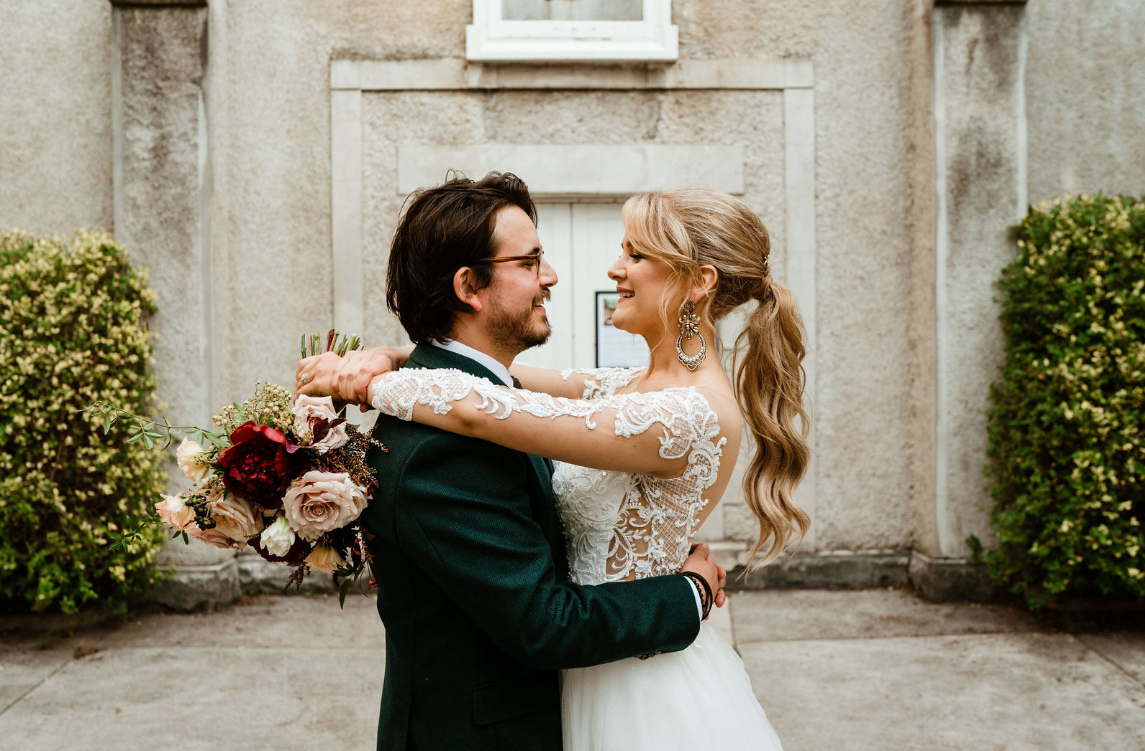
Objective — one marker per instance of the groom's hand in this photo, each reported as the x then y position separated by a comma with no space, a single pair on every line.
702,563
719,597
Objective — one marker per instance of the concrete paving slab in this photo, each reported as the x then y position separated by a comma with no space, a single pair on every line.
194,698
1011,692
258,621
1124,649
23,670
783,615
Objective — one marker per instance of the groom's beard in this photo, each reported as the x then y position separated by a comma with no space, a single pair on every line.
519,329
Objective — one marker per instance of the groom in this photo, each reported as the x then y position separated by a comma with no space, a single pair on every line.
467,547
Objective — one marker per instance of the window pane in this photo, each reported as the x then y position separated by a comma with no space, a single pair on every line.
572,10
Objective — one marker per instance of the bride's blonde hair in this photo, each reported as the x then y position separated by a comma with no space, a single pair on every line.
695,227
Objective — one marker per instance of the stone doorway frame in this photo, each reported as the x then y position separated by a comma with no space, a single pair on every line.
793,77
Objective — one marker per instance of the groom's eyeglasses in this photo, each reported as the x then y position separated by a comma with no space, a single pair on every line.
533,258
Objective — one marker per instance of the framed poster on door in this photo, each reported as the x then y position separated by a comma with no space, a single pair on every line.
616,348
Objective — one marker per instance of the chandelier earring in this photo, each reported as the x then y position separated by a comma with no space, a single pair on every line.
689,329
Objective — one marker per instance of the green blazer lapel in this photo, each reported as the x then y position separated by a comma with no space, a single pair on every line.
429,356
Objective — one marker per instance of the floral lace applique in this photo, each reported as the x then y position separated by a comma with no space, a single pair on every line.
601,381
618,525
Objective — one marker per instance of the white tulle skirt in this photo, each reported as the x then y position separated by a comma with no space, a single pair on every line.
699,698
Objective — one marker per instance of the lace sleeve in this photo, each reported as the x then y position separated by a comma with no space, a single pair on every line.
669,422
599,382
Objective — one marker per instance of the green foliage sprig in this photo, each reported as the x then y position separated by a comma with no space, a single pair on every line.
1066,450
73,331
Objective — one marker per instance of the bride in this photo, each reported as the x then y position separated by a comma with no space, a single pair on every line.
645,454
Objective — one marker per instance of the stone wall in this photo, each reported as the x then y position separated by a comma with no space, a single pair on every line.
55,116
201,134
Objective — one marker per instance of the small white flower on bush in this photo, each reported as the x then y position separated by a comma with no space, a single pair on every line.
325,559
319,501
278,538
189,457
309,411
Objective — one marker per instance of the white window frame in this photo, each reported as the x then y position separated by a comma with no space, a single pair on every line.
490,38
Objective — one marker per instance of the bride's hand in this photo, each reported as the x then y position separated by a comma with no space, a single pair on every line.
318,376
347,378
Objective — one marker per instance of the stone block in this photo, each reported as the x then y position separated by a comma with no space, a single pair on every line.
948,579
827,570
270,578
200,587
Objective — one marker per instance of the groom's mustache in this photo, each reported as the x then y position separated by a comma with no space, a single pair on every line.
543,298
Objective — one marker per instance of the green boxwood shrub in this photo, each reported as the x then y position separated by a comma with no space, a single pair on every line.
1066,451
72,331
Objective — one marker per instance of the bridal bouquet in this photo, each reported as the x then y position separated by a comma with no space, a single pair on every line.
289,478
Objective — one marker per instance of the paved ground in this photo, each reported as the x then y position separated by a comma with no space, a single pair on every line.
836,671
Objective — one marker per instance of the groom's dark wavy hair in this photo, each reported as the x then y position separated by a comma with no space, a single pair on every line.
442,230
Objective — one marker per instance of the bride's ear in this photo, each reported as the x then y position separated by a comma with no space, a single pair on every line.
463,288
704,283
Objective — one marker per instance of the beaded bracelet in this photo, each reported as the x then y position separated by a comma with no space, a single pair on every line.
704,590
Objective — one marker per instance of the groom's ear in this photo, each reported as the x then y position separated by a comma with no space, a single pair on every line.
463,288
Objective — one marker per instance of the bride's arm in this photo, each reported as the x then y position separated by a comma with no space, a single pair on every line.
573,384
645,433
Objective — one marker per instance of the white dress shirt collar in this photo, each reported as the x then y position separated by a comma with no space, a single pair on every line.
477,355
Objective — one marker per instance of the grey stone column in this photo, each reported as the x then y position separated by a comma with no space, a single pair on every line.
980,155
162,200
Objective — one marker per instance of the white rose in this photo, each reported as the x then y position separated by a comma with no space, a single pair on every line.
278,538
178,515
189,457
235,522
308,411
319,501
325,559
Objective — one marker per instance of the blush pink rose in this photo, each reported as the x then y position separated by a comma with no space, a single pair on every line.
319,502
176,514
316,415
236,521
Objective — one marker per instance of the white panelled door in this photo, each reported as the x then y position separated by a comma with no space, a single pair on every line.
581,240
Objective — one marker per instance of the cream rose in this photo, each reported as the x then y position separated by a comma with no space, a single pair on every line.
189,456
278,538
178,515
235,522
325,559
308,410
318,502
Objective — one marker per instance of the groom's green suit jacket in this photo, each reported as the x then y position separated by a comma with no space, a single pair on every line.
471,570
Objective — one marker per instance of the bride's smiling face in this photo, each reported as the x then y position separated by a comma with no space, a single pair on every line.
641,282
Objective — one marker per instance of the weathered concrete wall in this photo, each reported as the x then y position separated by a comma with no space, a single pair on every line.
266,96
1085,95
273,258
872,465
161,205
978,105
55,115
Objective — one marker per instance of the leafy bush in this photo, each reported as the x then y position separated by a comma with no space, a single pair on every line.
1066,453
72,331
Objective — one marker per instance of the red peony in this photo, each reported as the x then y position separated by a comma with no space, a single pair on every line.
257,465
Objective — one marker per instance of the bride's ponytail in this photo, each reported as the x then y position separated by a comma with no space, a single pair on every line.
695,227
769,382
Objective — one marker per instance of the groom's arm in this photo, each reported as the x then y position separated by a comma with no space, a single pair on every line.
464,516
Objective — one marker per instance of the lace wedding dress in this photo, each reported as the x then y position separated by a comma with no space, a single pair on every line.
619,526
